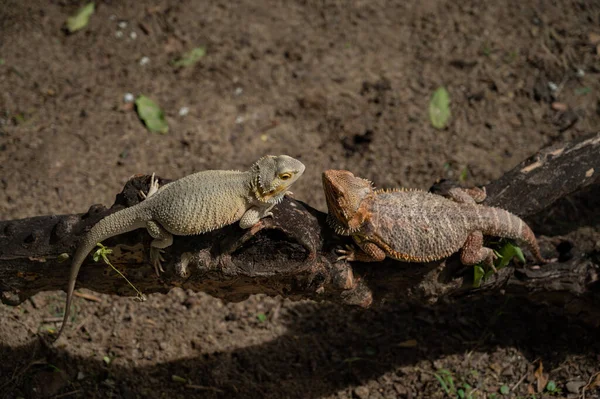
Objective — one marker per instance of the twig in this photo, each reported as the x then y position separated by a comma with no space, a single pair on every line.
518,382
204,388
62,395
588,384
89,297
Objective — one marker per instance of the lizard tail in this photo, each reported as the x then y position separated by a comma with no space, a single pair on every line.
502,223
120,222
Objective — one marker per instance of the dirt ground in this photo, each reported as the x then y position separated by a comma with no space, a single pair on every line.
335,84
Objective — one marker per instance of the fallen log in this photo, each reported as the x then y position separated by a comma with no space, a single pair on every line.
294,254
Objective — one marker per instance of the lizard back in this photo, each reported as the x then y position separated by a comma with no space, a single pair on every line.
419,226
201,202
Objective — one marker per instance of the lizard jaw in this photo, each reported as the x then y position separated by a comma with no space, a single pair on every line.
274,196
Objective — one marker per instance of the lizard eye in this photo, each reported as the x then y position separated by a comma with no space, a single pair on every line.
285,176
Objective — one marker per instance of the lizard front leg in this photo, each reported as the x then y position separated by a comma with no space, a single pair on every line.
253,215
162,239
474,252
367,252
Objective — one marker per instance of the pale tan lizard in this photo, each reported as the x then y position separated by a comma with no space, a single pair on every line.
195,204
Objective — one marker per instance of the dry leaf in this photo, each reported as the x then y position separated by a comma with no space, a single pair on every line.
596,383
530,389
594,38
559,106
411,343
541,378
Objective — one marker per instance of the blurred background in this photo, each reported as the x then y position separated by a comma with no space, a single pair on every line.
401,93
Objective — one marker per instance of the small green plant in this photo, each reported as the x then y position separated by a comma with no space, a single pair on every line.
508,250
552,389
464,174
445,379
261,317
486,50
582,91
504,390
102,253
462,390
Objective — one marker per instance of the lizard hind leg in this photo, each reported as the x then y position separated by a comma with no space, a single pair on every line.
473,251
154,186
162,239
467,195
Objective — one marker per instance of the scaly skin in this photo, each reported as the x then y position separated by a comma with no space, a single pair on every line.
195,204
417,226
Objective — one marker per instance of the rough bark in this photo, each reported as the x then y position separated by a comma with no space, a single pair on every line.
293,255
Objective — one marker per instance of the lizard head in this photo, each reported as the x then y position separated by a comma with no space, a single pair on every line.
274,175
345,194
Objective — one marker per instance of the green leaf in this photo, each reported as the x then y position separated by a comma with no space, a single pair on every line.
176,378
189,58
519,254
81,18
504,390
106,360
478,274
62,257
261,317
507,253
461,393
551,386
151,114
439,108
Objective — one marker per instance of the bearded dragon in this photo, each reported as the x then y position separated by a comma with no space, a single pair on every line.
417,226
195,204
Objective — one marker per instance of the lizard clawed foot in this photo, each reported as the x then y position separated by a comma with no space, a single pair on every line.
347,254
153,188
489,261
156,259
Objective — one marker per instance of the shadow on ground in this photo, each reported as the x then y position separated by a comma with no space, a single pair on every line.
347,348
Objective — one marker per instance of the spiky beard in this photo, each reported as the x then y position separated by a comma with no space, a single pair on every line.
338,227
260,196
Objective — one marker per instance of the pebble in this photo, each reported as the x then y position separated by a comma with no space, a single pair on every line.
133,35
128,98
574,386
122,24
183,111
361,392
144,60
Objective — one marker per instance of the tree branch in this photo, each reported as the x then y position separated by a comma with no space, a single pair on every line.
293,255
